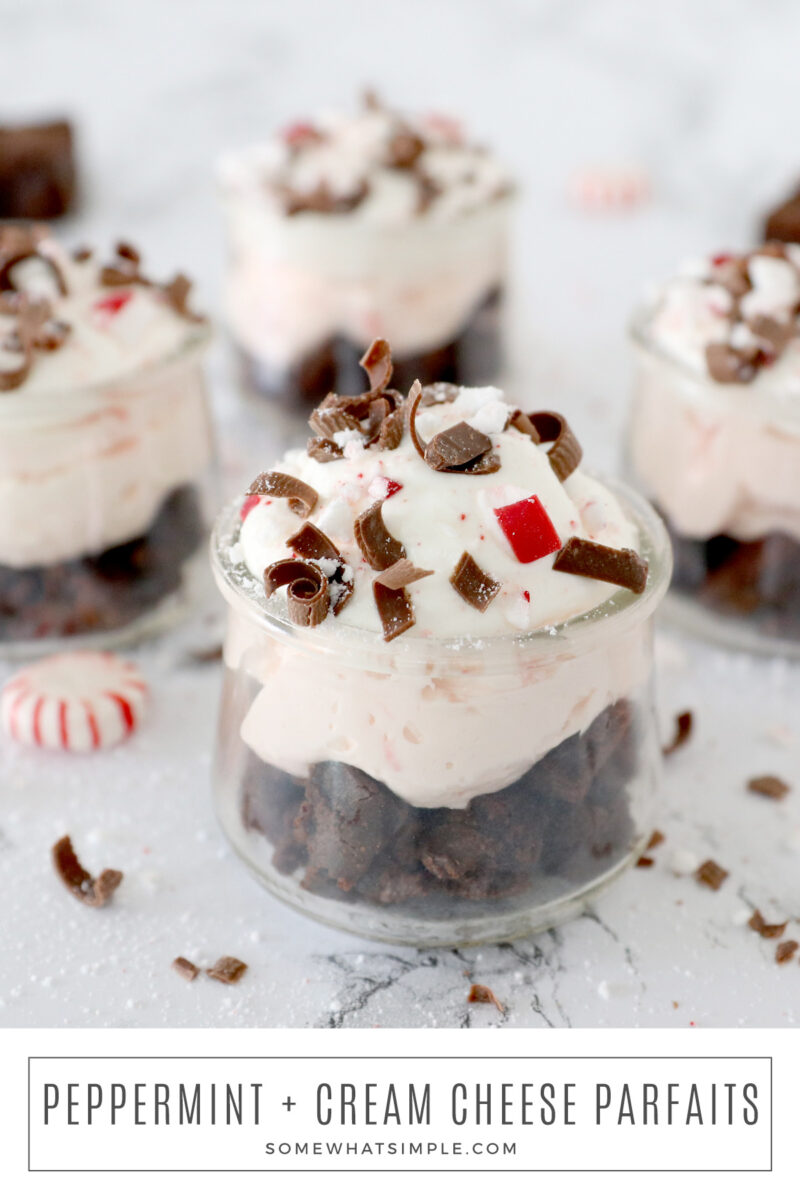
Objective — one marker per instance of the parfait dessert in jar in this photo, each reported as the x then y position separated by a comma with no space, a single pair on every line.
714,441
437,722
105,444
353,226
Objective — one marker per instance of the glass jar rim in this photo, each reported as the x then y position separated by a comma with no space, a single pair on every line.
621,612
21,407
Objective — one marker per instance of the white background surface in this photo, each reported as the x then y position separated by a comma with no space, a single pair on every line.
704,96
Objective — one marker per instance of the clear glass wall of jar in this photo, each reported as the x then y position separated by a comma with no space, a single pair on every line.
106,495
306,295
721,463
438,793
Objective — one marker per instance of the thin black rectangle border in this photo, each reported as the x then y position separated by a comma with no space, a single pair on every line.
402,1170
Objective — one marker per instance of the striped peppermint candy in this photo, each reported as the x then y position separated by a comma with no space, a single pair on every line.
79,700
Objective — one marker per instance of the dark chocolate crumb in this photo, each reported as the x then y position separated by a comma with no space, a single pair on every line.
227,969
684,723
96,892
785,951
711,874
656,838
645,861
765,930
187,970
768,785
479,993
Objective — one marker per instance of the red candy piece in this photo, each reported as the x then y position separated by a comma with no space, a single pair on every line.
300,132
719,260
113,303
529,530
392,486
248,506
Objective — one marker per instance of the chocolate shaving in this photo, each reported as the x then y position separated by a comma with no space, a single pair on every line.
565,454
412,404
377,545
322,200
785,951
727,365
306,589
390,434
768,785
19,243
227,969
521,421
473,584
711,874
404,150
125,268
479,993
176,293
765,930
394,609
592,560
301,496
400,574
377,362
455,447
439,393
96,892
684,723
311,544
323,449
186,969
645,861
656,838
776,334
327,421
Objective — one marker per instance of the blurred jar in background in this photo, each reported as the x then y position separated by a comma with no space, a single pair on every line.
353,227
105,445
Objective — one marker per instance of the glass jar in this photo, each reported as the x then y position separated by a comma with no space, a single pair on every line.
306,295
721,463
105,501
438,793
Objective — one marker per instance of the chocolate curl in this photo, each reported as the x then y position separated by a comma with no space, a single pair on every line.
18,243
473,584
456,447
394,609
94,892
565,453
377,545
412,404
311,544
301,496
323,449
519,420
14,377
125,269
624,568
776,334
176,293
400,574
307,590
327,421
377,362
390,434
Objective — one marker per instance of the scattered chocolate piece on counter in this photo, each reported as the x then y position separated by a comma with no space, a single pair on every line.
479,993
37,171
684,724
187,970
645,861
768,785
206,654
456,447
624,568
765,930
656,838
400,574
394,609
227,969
473,584
785,951
565,454
379,548
711,874
96,892
306,584
301,496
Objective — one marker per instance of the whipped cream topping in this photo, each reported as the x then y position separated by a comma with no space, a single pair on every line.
328,239
715,427
105,332
385,168
439,515
104,425
747,304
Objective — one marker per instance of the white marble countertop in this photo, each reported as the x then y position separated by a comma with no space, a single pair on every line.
701,95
